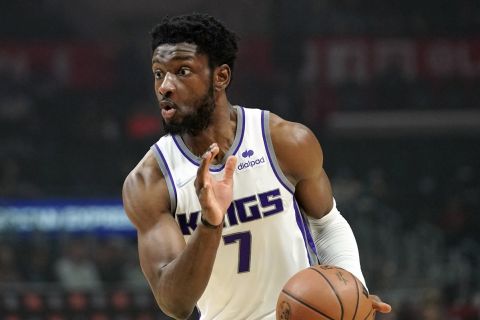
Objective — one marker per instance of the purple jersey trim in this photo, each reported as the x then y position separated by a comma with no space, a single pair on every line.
307,237
242,133
170,183
271,155
185,154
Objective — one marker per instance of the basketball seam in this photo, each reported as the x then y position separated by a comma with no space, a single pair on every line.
306,304
358,297
333,288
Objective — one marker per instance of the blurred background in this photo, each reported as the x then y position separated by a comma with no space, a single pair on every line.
392,90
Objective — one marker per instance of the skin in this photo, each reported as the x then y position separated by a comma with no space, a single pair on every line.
182,76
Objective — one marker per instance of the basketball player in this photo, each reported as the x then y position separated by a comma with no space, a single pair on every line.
221,201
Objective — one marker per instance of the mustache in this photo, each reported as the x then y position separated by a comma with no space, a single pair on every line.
167,103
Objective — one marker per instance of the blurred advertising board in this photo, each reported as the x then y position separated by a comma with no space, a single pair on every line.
360,59
97,216
76,64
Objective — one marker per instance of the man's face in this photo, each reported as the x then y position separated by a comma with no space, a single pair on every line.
183,86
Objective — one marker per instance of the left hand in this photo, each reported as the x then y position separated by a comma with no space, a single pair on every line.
378,305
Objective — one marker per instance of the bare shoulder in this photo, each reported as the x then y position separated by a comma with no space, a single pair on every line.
145,193
296,148
291,134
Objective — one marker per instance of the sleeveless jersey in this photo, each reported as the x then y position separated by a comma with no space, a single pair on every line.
265,239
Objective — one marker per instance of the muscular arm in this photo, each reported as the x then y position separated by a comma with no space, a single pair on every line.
333,237
177,272
301,159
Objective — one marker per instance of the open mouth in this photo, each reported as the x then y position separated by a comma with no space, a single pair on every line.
167,105
168,110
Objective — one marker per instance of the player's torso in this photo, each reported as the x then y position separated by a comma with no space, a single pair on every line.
263,236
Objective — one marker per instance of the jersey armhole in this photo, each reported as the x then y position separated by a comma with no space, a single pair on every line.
267,140
162,163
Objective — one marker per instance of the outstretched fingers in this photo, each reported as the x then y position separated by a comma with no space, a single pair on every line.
202,179
230,169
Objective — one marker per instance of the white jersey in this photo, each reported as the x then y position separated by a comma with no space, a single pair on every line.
265,236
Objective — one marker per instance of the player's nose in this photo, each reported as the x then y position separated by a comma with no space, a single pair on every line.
167,87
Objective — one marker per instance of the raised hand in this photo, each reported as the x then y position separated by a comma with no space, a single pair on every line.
214,196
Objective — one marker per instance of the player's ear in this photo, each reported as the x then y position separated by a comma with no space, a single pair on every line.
221,77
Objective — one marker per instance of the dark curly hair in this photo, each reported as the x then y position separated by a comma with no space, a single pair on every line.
210,35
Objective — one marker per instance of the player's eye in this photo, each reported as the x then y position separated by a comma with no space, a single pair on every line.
158,74
184,71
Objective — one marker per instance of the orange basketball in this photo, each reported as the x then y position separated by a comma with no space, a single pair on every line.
324,293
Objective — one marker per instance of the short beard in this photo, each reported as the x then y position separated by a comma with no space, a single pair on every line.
196,122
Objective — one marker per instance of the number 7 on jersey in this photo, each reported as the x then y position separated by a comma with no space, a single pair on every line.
244,240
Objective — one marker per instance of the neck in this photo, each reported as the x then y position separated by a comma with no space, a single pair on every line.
221,130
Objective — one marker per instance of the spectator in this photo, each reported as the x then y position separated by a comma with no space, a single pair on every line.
75,269
9,273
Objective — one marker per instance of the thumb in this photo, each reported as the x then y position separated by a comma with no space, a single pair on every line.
230,169
378,305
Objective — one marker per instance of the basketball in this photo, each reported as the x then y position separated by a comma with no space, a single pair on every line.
324,292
